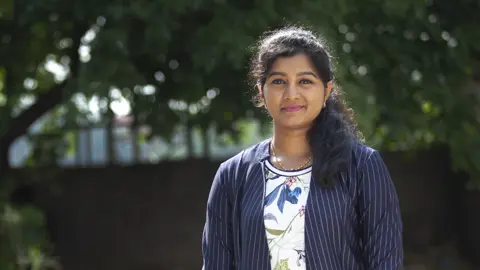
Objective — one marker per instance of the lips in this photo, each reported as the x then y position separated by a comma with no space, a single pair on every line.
292,108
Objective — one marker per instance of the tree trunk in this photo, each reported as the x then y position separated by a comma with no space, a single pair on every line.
4,162
45,102
206,143
134,131
189,136
111,154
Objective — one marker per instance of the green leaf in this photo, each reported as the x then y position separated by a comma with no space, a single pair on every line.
427,107
274,231
6,9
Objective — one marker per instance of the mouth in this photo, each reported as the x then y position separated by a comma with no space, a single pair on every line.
292,108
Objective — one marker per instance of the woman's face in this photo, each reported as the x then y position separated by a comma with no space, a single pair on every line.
294,93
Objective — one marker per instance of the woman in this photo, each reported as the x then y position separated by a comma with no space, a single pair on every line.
313,196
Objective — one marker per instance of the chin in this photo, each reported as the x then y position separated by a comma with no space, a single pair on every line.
296,125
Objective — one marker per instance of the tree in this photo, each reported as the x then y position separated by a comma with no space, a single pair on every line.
153,52
416,65
30,36
404,64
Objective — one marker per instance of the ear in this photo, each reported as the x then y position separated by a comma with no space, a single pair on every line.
328,90
260,91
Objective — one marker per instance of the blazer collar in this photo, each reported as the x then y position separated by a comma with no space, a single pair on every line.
263,150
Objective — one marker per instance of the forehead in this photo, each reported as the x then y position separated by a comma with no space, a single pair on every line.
293,64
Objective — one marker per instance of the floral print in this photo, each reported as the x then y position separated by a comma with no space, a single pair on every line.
284,216
286,194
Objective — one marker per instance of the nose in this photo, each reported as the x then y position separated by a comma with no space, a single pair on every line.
291,91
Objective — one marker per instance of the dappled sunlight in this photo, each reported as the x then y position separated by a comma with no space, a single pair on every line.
128,104
59,71
193,108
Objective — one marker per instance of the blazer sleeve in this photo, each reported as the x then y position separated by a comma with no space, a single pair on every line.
380,220
217,241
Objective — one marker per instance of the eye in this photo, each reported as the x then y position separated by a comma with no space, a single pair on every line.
278,81
306,81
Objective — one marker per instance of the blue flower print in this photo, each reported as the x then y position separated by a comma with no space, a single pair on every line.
286,194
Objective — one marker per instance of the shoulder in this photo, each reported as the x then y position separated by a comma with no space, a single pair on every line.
362,154
248,156
370,164
232,168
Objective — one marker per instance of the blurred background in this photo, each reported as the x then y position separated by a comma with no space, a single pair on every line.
114,116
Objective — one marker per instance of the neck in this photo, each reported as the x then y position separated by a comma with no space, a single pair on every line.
291,144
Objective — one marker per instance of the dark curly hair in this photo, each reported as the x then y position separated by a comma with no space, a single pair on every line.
334,130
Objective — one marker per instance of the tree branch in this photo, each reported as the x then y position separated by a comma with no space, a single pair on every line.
45,102
143,63
146,65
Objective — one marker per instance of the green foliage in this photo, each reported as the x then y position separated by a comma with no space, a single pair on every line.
23,240
6,8
418,64
407,66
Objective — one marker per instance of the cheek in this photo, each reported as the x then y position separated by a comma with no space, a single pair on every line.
270,96
268,103
315,102
316,97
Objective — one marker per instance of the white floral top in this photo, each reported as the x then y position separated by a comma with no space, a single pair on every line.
284,216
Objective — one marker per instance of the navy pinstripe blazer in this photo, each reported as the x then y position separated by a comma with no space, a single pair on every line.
354,225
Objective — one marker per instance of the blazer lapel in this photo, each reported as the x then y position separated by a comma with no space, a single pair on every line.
253,210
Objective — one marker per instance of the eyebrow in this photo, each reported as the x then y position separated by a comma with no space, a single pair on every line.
285,74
